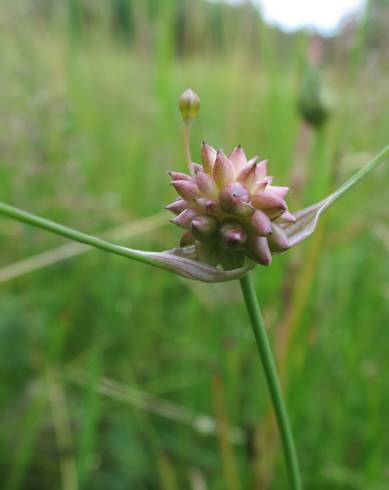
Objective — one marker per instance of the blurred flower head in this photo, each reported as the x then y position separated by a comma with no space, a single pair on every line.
315,100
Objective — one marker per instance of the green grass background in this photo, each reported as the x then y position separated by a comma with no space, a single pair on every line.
116,376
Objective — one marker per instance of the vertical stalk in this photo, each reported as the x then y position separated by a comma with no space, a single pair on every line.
273,383
188,156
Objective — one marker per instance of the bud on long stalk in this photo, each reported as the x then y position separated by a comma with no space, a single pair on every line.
189,105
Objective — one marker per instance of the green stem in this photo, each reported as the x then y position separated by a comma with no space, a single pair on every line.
188,156
78,236
269,367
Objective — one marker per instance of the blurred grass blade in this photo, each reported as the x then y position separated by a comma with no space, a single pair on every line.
70,250
62,430
172,260
204,424
307,218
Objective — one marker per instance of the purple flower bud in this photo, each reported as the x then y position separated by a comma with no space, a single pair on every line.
278,191
204,227
197,167
232,235
259,250
206,205
238,157
187,189
177,206
185,218
259,224
232,195
247,174
244,210
223,171
286,217
179,176
208,157
206,184
278,240
268,200
261,170
273,213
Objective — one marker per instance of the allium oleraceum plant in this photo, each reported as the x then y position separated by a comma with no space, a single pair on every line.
234,218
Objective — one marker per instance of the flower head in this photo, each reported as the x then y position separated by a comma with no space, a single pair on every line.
230,209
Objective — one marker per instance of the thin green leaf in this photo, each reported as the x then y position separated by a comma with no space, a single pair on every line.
172,260
307,218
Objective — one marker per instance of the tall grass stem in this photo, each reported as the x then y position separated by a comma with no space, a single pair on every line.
274,386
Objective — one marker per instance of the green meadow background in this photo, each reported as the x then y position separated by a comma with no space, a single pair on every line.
118,376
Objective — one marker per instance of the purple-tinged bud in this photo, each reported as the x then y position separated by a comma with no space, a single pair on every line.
238,157
205,204
179,176
268,200
223,171
259,224
278,240
261,178
232,195
232,235
244,210
177,206
204,227
189,104
186,189
261,170
208,157
278,191
286,217
187,239
197,167
206,184
259,250
185,218
273,213
259,186
247,174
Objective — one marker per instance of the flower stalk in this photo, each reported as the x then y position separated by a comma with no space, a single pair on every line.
273,383
189,106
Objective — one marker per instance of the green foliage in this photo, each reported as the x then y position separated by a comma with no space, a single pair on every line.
89,128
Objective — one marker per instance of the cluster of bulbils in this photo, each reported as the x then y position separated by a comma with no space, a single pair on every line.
230,209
